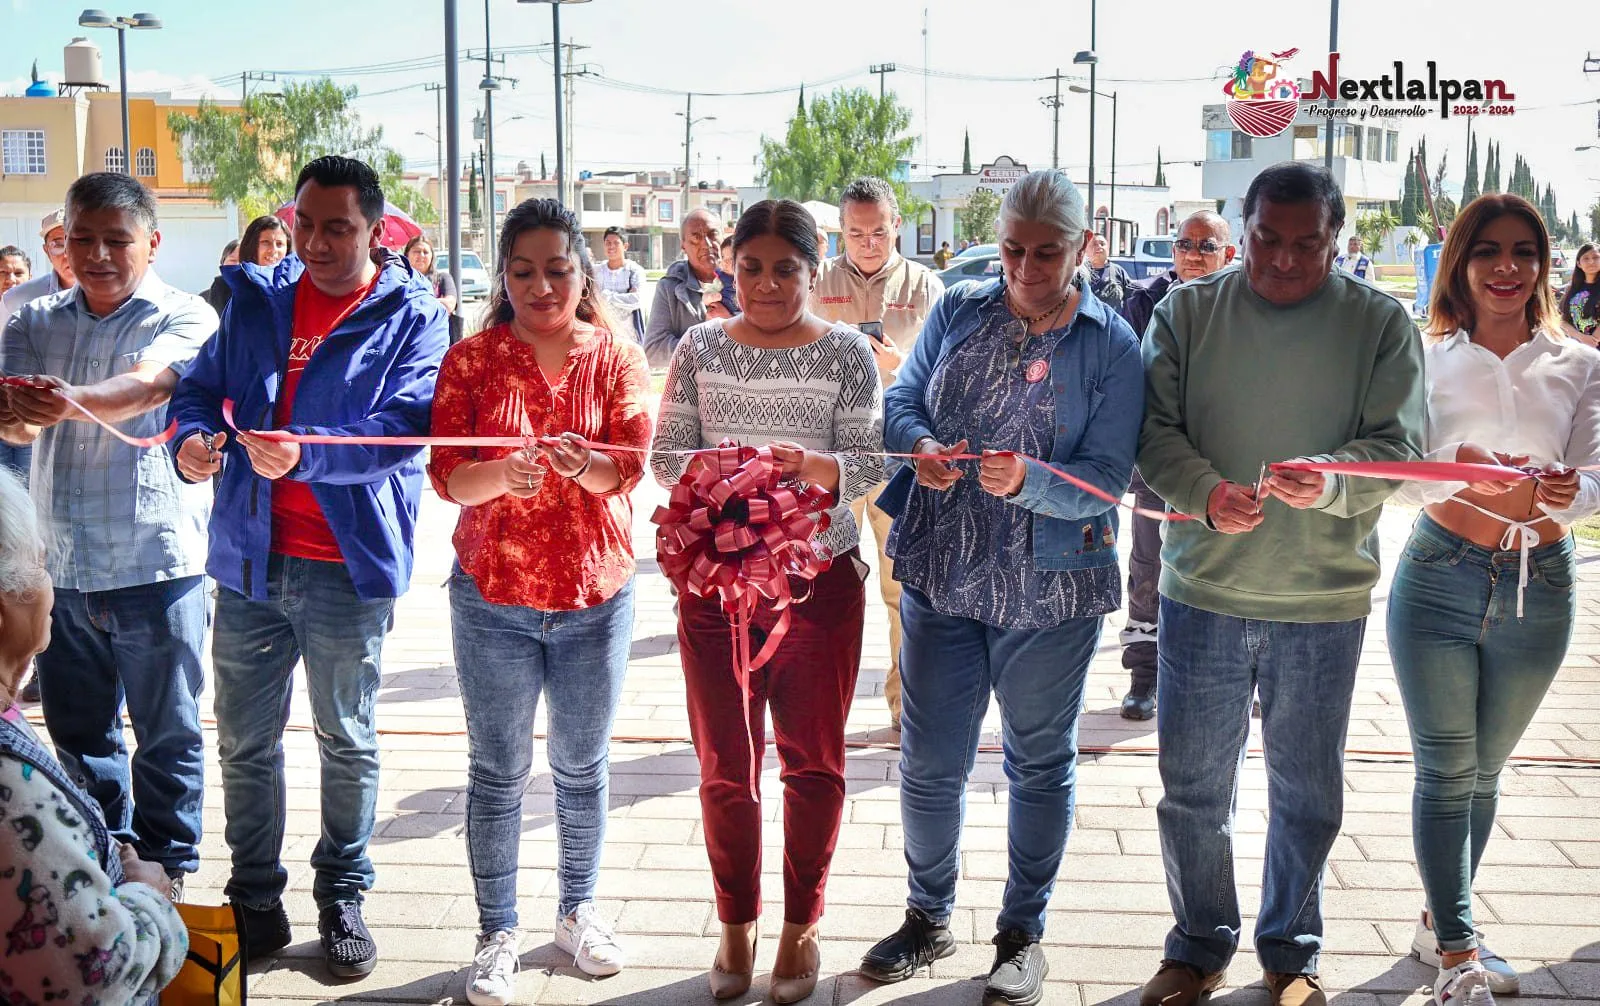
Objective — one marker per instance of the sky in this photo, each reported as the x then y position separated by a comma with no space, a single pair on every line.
1161,58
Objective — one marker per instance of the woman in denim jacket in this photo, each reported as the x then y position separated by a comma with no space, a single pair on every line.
1008,570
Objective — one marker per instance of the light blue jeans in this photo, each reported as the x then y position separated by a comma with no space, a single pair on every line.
506,655
1472,676
311,611
949,667
1209,665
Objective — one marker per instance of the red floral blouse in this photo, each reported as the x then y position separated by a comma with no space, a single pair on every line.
566,548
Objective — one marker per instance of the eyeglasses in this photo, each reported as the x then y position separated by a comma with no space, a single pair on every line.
56,246
1206,247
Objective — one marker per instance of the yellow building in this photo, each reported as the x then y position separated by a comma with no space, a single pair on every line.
47,142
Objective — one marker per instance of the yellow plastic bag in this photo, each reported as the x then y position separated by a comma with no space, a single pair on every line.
214,974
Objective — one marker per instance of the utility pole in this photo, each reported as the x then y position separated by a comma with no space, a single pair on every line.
688,126
438,135
489,85
1053,102
1094,46
1114,154
1333,46
572,70
247,76
452,198
882,70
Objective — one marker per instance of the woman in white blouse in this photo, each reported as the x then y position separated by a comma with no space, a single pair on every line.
1482,606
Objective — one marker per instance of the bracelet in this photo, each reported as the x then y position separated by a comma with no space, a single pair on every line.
584,470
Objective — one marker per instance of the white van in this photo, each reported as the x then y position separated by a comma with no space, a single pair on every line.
474,278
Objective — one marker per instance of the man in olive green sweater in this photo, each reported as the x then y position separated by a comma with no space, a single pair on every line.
1281,358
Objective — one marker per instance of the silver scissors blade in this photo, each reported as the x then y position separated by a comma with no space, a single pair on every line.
1261,481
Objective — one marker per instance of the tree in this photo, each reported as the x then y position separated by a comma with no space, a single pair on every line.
542,174
1374,229
1409,194
1161,176
1574,230
966,152
843,136
253,157
1470,189
474,205
1547,209
1491,169
1594,220
978,216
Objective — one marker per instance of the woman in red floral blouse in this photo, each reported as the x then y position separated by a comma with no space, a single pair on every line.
541,599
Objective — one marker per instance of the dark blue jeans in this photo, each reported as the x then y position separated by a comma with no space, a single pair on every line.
949,668
1210,665
506,657
138,646
1472,675
311,611
18,459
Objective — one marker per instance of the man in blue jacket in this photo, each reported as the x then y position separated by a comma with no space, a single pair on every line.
310,544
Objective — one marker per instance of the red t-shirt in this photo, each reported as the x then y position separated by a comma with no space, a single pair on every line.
298,526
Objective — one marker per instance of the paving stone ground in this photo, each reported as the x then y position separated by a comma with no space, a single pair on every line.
1539,891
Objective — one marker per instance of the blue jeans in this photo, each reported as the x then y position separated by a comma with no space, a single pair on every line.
18,459
1209,666
948,668
1472,676
138,646
311,611
506,655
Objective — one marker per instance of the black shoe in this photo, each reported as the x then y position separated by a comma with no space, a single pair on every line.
1140,702
916,944
1017,978
265,932
30,691
346,943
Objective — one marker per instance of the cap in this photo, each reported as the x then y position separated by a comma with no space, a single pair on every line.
52,220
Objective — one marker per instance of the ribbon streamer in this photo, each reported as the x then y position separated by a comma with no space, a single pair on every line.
156,441
1414,471
735,530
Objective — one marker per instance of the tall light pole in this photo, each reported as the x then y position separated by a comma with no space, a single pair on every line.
555,42
438,139
1333,46
882,70
1080,89
96,18
452,133
1088,57
689,122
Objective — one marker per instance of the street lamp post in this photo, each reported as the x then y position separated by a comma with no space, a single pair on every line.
1080,89
1088,57
689,122
555,45
96,18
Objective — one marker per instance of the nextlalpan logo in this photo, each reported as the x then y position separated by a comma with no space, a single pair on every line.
1263,99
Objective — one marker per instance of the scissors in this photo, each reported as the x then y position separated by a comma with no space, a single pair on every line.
1261,482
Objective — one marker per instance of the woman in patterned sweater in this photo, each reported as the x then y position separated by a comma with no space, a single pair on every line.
777,375
85,921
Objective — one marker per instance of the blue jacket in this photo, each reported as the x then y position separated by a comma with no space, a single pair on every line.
373,376
1098,377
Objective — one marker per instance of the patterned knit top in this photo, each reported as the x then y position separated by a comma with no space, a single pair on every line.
823,396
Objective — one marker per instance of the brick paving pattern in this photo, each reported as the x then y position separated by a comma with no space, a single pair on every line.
1539,890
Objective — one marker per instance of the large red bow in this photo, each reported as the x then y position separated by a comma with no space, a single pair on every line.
735,530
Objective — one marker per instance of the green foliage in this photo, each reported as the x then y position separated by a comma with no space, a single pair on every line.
1161,176
845,135
1375,228
1409,193
1594,220
253,156
1470,189
979,215
966,152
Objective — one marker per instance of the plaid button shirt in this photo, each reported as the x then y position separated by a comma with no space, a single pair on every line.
117,516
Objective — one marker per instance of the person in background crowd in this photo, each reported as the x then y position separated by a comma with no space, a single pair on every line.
265,243
15,269
230,253
52,231
1336,366
128,537
692,290
1201,249
740,378
541,597
871,284
942,257
622,282
72,894
419,252
1580,302
725,255
230,256
1478,631
1354,261
1108,280
1008,570
310,545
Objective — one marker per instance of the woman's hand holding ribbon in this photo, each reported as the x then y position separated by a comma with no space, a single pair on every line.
198,460
523,474
1476,455
1001,473
940,475
567,454
1557,486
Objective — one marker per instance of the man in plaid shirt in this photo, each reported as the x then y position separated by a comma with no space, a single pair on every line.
128,536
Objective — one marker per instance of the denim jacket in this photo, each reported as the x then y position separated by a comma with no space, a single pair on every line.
1098,377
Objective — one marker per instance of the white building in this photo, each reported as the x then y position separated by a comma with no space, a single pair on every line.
1368,162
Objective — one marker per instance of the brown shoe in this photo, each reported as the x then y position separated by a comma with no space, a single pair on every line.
1295,990
1179,984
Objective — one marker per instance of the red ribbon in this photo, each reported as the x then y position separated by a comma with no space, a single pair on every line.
1416,471
731,529
155,441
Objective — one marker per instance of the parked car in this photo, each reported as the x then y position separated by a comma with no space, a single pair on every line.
1138,268
979,250
1560,266
1153,250
971,267
474,278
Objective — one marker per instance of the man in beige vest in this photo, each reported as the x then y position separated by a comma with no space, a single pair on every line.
872,287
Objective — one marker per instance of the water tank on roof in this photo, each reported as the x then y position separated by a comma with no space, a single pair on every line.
81,61
40,89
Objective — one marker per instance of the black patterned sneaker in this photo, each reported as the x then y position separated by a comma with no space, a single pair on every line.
346,943
1017,978
265,932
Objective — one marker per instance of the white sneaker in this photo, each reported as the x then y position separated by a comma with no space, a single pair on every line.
1503,979
1466,984
493,978
1137,632
589,938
